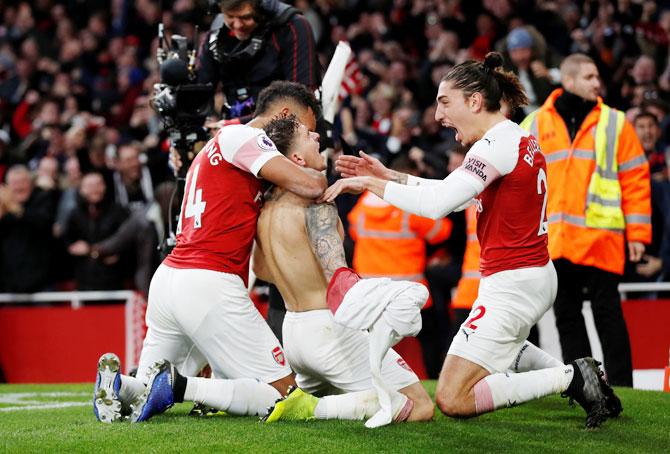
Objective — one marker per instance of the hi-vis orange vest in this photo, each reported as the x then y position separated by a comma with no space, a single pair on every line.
391,242
599,187
468,284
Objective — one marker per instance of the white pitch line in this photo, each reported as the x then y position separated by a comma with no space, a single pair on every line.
47,406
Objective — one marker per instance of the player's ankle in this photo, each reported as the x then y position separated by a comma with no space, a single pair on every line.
179,386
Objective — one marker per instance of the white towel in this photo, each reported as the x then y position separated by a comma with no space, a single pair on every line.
399,302
390,310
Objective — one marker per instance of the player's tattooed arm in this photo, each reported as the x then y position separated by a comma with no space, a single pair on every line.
398,177
321,221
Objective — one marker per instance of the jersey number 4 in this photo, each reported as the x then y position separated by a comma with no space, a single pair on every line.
195,206
542,189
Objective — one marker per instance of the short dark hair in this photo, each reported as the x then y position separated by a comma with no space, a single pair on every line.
645,114
282,131
227,5
259,12
285,90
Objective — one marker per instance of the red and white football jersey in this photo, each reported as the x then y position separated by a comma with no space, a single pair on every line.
512,220
222,200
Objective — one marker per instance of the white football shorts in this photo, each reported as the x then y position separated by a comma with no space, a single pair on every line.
329,358
508,305
197,316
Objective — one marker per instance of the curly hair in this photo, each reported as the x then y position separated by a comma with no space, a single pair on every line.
282,131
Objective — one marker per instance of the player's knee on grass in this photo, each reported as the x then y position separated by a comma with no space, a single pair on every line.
424,408
283,384
455,405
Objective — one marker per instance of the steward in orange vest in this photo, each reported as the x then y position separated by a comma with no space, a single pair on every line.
598,200
390,242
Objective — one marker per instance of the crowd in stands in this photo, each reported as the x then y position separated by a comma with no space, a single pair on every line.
84,158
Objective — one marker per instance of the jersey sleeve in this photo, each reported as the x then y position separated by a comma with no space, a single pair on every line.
488,160
418,181
434,201
246,148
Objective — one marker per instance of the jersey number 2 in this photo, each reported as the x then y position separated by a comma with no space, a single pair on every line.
542,189
478,312
195,206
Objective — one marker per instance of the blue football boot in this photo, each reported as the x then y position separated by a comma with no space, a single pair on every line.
159,394
106,403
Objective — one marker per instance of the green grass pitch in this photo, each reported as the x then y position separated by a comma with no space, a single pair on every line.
548,425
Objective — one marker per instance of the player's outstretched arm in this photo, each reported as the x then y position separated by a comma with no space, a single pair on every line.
321,221
367,166
305,182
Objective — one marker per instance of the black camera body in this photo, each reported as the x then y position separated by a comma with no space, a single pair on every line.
182,104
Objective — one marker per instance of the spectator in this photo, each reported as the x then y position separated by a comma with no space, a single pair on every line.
133,187
599,198
68,198
4,155
95,219
531,68
649,133
252,43
26,247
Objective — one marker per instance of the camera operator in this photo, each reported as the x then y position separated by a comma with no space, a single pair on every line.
252,43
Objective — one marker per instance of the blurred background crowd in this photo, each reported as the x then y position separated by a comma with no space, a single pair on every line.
84,158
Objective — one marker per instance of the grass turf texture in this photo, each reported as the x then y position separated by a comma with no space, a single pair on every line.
548,425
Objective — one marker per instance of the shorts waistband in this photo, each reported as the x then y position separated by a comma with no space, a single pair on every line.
308,315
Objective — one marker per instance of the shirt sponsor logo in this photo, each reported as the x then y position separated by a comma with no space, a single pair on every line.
278,355
265,143
476,167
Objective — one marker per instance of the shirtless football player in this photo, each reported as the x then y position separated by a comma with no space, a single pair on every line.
299,248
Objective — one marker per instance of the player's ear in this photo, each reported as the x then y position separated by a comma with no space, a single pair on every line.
285,112
298,159
476,102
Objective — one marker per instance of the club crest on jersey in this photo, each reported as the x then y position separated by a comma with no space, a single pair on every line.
278,355
404,365
265,143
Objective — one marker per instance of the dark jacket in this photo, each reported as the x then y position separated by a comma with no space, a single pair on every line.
288,52
94,224
27,245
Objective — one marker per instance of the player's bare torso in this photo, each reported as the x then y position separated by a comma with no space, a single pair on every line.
284,255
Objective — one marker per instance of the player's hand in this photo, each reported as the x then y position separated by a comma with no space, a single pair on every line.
635,251
353,185
650,266
365,165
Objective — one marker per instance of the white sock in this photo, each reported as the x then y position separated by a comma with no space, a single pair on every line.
531,357
353,406
130,389
241,396
506,390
